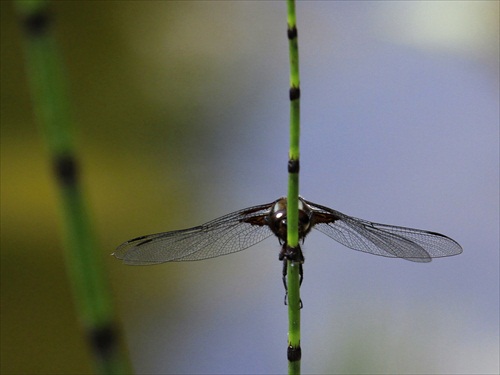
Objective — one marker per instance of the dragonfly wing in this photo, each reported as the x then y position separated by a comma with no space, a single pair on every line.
386,240
227,234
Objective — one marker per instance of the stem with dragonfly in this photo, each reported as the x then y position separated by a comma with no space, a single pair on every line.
293,267
83,261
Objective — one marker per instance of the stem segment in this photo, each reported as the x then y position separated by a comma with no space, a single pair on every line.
293,268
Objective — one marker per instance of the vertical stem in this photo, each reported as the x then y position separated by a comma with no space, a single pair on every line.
293,267
84,263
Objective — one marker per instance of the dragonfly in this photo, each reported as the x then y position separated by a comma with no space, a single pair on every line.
244,228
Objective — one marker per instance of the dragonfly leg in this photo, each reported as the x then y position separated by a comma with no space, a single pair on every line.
284,274
301,278
301,275
284,280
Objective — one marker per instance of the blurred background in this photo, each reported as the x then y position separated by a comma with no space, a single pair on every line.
181,115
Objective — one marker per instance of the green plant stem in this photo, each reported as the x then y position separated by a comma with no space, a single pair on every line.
293,267
84,262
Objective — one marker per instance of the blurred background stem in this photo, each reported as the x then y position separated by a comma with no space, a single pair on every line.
84,262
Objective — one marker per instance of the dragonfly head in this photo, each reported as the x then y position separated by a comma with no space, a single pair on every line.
278,219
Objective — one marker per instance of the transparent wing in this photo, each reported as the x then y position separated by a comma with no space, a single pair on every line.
380,239
227,234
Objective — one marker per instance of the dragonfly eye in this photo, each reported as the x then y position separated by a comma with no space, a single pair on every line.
304,223
278,224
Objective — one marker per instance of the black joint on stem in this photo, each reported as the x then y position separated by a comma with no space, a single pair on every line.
103,340
294,354
294,93
65,169
292,32
293,166
37,24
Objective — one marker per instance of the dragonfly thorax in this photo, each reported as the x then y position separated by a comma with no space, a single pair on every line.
277,219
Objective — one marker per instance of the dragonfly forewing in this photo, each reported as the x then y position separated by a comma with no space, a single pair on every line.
225,235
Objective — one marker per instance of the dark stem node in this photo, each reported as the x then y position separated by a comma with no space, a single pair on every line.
103,340
294,354
37,23
65,169
293,166
292,32
294,93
